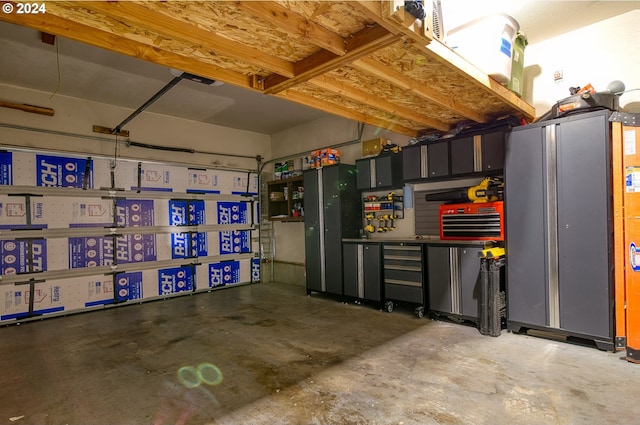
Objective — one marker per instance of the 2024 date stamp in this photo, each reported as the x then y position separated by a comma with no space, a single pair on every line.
29,8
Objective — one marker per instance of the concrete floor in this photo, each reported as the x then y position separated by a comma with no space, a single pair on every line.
287,358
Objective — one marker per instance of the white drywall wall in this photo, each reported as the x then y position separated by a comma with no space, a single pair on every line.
596,54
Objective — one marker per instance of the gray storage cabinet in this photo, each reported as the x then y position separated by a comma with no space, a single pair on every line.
454,281
426,161
380,172
558,227
362,271
480,153
332,212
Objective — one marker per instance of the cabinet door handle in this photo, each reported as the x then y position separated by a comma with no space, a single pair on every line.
424,166
477,153
373,177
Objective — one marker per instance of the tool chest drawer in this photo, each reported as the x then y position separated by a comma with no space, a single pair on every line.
403,274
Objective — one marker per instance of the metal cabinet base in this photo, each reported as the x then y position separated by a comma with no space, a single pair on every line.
560,334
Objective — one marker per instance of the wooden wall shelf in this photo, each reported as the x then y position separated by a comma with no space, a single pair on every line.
286,199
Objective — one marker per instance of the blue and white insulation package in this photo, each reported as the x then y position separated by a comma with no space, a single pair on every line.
80,233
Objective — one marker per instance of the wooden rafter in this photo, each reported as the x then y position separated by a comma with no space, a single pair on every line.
363,60
451,60
293,23
170,27
106,40
392,16
331,108
361,44
381,13
397,78
337,87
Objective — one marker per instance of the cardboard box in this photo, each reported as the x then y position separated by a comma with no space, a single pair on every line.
138,247
255,270
192,213
373,147
48,298
152,177
225,273
6,168
63,171
55,212
282,169
23,256
90,251
242,183
175,280
204,181
233,242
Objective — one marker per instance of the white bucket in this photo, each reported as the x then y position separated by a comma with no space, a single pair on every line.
487,43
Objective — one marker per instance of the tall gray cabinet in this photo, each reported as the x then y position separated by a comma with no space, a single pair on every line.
558,228
332,212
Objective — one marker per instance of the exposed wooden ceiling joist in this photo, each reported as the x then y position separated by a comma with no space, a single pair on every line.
360,44
170,27
293,23
337,87
391,73
391,16
394,77
345,112
105,40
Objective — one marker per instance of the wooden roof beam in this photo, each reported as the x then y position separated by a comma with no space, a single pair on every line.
85,34
293,23
420,89
340,110
335,86
386,13
159,23
360,44
438,52
391,15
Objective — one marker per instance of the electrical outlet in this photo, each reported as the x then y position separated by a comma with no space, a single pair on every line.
557,76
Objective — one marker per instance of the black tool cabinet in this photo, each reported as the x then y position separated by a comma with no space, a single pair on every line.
332,212
362,271
380,173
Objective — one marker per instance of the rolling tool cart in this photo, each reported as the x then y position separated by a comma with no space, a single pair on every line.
403,276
